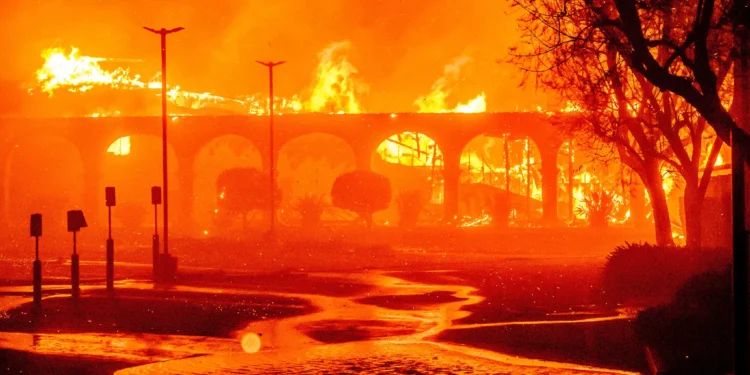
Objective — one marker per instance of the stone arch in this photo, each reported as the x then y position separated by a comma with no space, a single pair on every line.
485,172
308,164
413,162
221,153
44,174
133,166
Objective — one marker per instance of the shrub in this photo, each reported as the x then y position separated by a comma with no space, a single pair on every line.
363,192
650,274
598,208
693,334
410,206
311,208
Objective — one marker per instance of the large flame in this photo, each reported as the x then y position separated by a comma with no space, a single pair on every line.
336,87
80,73
435,101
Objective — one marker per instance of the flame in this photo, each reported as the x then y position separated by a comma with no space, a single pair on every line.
80,73
336,88
120,147
410,149
719,161
475,105
434,102
77,73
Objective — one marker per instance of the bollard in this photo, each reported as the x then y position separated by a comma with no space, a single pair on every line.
75,288
37,282
110,266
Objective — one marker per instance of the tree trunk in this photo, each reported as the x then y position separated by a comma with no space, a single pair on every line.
662,224
693,217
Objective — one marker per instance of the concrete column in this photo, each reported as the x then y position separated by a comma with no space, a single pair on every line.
363,157
93,187
185,202
451,175
549,184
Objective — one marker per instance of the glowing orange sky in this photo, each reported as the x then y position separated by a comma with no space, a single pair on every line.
399,47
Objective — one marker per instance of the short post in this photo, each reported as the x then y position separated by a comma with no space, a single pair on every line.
36,232
76,221
110,202
156,201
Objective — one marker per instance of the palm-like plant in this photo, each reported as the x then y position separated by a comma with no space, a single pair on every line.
311,208
598,208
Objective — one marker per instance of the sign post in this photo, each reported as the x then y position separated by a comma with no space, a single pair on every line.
156,201
110,201
36,232
76,221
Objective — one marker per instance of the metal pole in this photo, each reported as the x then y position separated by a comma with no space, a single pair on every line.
528,180
163,37
164,138
271,169
507,169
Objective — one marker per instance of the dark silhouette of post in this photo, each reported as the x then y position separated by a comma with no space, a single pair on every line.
163,33
570,182
156,201
507,170
740,257
76,221
36,232
271,169
110,201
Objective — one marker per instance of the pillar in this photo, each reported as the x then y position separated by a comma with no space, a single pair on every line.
185,196
363,157
451,175
549,184
93,187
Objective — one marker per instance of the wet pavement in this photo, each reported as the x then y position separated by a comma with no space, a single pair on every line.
395,340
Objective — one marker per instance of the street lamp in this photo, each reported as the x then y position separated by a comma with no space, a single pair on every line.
271,168
163,33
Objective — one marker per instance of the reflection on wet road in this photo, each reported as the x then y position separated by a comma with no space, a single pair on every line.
343,336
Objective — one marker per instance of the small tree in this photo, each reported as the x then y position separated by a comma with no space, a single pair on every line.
311,208
410,206
363,192
241,190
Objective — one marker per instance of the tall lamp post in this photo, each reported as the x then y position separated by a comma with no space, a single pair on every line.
271,168
163,33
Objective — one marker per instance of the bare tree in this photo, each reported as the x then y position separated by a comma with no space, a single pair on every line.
654,131
684,47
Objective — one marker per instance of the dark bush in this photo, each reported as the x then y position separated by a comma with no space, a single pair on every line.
598,208
693,334
310,208
648,274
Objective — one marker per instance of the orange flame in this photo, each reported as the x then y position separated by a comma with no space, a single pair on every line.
336,89
434,102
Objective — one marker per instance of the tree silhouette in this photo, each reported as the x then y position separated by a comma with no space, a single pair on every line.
363,192
699,43
241,190
654,132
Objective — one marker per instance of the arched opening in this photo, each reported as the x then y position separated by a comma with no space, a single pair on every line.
133,164
221,154
44,175
583,172
307,167
414,165
500,179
